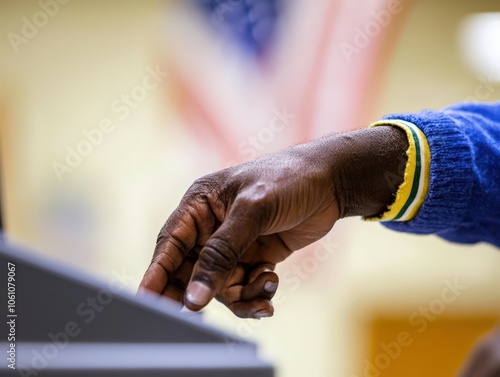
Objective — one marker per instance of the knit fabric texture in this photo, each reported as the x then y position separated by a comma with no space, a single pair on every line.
463,201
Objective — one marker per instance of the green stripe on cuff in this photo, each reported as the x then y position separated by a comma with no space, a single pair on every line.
416,178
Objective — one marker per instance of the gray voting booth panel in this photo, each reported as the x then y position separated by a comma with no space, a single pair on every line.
69,324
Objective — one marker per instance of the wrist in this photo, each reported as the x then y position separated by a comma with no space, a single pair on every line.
368,169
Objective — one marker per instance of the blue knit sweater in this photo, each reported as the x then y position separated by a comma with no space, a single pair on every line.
463,201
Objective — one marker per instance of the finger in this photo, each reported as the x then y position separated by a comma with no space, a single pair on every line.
259,269
252,300
259,308
231,297
264,286
260,282
176,238
190,222
222,251
177,283
231,292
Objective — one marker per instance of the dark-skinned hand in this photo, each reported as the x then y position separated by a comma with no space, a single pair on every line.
232,227
484,361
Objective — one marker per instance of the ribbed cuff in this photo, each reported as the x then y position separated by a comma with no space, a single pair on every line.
451,175
411,193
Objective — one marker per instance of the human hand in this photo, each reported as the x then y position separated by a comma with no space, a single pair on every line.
232,227
485,359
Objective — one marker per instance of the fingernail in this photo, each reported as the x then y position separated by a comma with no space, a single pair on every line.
270,287
198,293
262,314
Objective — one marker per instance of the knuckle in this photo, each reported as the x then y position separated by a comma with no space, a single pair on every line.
161,237
205,184
206,189
218,256
257,203
257,196
169,261
171,238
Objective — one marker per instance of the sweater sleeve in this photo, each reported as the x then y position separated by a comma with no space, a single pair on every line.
462,199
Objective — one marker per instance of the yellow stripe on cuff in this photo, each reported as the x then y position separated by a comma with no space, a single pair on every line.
411,193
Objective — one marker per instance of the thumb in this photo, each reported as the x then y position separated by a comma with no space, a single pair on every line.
221,253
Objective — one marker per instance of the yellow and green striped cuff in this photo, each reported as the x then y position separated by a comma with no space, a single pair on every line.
411,193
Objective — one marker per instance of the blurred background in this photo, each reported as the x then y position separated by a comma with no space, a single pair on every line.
110,109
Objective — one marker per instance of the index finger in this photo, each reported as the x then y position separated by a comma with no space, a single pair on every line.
191,223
